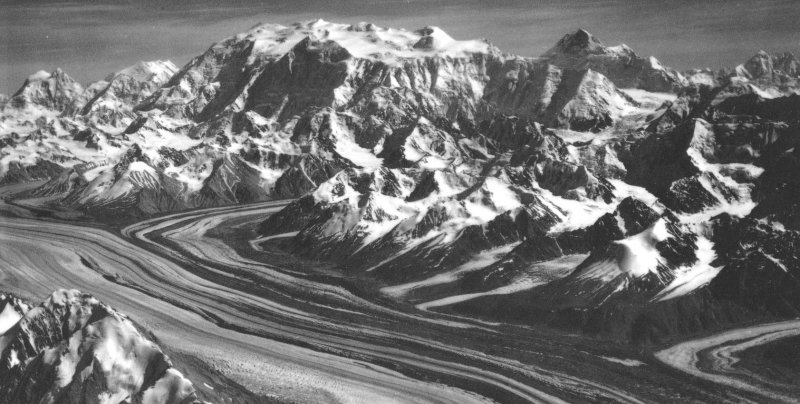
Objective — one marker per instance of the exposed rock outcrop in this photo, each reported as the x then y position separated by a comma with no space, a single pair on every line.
73,349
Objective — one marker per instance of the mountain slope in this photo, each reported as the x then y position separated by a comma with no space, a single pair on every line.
270,91
581,50
72,348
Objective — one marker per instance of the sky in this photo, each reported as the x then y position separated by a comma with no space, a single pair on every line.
90,39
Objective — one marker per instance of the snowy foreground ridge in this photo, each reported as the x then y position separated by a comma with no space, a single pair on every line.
91,351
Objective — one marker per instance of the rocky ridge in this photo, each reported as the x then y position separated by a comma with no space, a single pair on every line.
276,111
71,348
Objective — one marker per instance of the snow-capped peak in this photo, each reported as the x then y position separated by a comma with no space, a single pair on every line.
145,70
579,41
581,50
39,76
764,64
362,40
655,64
54,90
56,76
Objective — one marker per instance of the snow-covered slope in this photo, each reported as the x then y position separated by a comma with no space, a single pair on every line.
774,74
573,203
72,348
46,91
281,109
112,105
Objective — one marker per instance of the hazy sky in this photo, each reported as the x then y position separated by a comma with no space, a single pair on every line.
91,38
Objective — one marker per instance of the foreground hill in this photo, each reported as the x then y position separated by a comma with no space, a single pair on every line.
73,349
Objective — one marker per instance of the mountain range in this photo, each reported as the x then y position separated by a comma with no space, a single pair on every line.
589,189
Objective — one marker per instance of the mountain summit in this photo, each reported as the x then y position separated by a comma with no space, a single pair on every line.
576,43
581,50
255,92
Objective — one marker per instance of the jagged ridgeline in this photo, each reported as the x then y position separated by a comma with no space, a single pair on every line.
276,111
589,187
72,348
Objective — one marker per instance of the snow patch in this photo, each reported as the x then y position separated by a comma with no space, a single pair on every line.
477,261
655,64
691,278
624,362
145,70
518,286
365,41
741,206
639,254
776,261
9,317
648,99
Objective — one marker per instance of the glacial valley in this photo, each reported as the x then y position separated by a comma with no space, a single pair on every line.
325,212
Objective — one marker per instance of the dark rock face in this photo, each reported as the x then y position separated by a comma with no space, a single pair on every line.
113,100
581,50
304,176
779,71
697,193
564,178
784,109
778,190
131,186
580,99
762,275
73,349
221,63
42,170
298,214
659,160
305,77
511,132
232,170
636,215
